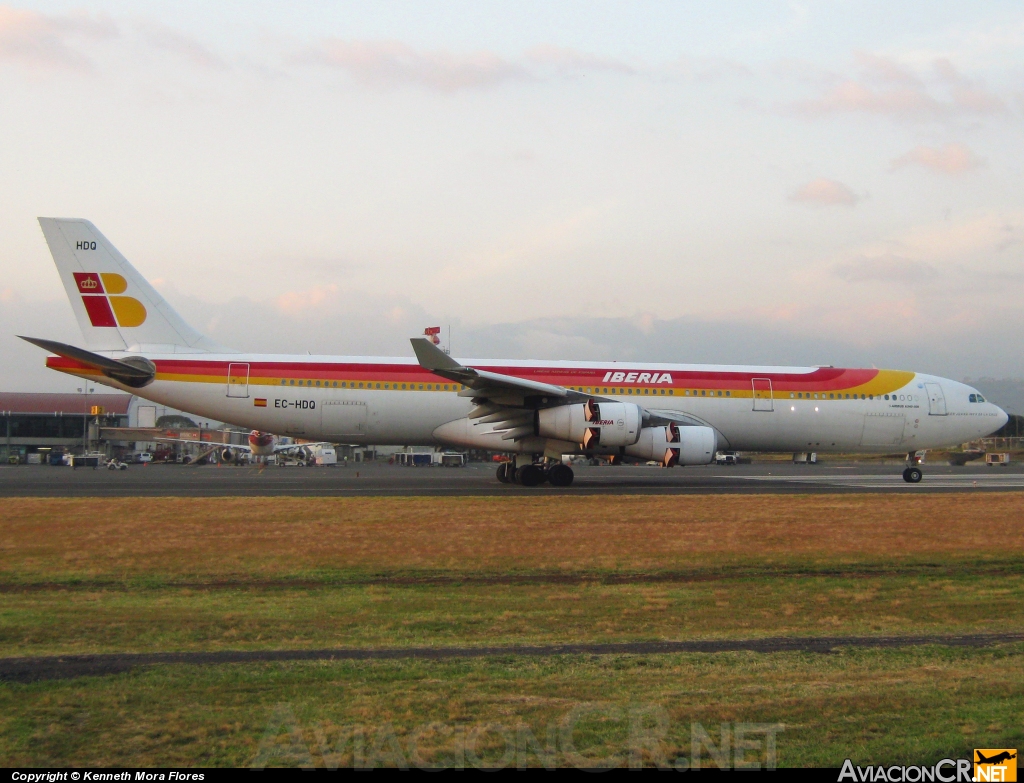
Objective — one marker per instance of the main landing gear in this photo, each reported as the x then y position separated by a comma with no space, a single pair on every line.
913,474
534,474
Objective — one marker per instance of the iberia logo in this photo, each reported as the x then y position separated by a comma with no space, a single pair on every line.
101,295
995,764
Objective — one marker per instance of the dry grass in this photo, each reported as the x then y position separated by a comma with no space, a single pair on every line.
171,538
878,707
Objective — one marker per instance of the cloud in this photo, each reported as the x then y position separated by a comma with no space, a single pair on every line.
886,269
40,41
570,62
885,70
160,36
886,87
707,69
393,63
825,192
951,159
298,303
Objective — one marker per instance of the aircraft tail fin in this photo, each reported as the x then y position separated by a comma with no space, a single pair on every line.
116,308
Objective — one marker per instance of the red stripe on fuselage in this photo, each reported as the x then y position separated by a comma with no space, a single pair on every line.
821,379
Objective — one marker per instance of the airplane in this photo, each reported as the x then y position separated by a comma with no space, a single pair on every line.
534,411
258,444
996,759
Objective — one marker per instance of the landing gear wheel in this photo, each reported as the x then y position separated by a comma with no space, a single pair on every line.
560,475
530,476
504,474
912,475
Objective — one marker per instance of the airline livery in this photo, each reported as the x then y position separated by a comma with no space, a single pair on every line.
676,414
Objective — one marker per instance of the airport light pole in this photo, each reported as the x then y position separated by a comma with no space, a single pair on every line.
86,391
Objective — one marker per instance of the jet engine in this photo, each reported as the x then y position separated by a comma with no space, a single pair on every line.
674,445
592,424
226,455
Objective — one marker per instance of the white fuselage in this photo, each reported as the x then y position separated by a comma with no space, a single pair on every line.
389,400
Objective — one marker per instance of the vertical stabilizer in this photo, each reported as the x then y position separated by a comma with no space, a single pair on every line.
116,308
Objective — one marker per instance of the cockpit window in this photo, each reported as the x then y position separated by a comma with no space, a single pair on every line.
976,398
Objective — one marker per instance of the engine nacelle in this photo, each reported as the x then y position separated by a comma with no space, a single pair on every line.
673,445
226,455
592,424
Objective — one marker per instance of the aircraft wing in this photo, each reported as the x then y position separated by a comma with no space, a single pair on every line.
503,401
497,387
508,403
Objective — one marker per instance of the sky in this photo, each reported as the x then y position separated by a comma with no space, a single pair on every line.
735,182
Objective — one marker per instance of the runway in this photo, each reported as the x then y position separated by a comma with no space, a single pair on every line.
379,479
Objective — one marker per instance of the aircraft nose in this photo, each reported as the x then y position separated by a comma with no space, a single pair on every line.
1003,417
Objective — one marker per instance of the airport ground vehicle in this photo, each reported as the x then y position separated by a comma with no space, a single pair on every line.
677,414
726,458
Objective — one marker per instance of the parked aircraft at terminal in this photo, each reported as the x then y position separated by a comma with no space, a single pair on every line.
677,414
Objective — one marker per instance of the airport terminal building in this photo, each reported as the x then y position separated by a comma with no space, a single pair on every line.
42,424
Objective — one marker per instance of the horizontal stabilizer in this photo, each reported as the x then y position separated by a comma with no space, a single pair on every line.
135,371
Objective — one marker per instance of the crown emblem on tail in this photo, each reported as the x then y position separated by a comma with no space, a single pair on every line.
89,283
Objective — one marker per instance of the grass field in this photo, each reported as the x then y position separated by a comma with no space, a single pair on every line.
84,576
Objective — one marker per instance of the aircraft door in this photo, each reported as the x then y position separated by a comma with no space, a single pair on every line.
762,388
238,380
936,400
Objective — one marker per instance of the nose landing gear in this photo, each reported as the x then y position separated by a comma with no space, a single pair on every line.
913,474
